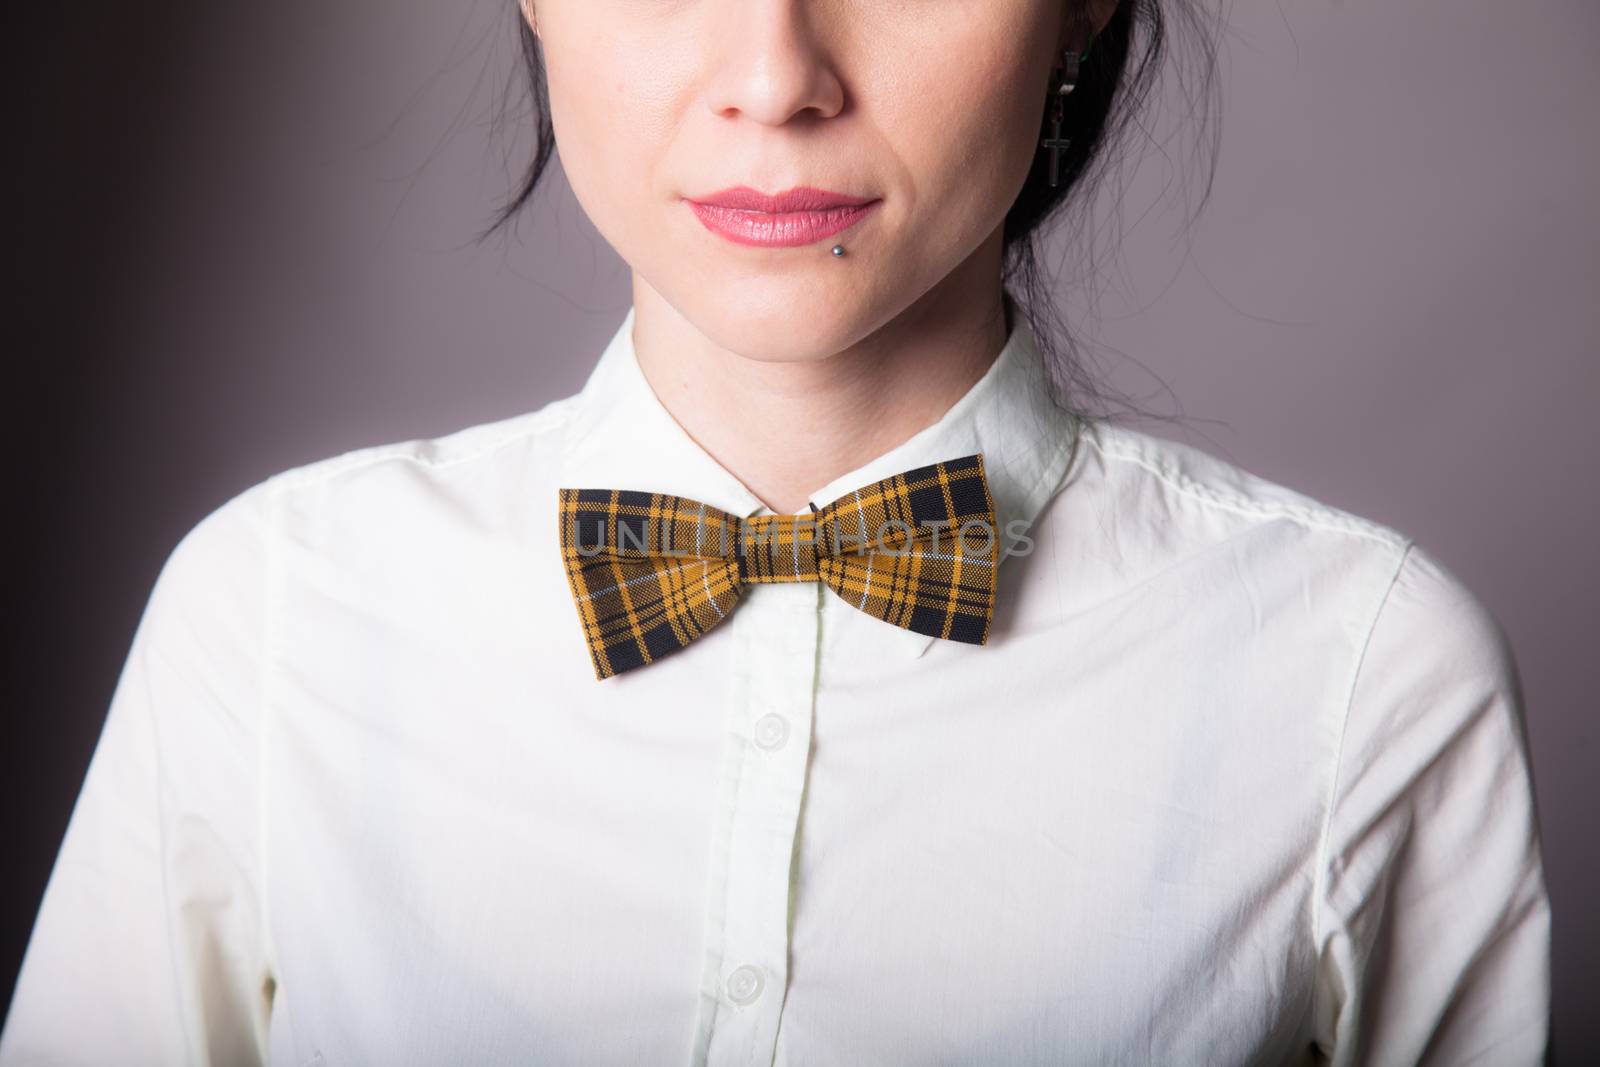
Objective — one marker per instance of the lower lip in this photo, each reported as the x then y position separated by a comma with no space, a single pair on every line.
784,230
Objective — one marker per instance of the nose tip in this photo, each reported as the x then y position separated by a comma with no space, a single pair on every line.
781,98
774,68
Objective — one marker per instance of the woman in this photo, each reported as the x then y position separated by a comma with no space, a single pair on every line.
818,685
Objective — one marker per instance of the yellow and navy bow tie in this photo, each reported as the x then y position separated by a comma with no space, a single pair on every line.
651,572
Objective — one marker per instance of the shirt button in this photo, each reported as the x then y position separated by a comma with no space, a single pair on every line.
744,984
772,731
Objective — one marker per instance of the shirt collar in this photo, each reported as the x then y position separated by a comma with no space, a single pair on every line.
622,437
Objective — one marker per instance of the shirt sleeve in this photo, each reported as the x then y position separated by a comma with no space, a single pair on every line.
1432,923
149,945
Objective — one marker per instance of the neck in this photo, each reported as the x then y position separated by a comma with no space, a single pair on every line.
784,426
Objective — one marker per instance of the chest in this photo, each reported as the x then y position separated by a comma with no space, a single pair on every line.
792,845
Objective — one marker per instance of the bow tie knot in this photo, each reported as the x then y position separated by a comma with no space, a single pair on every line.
651,572
780,548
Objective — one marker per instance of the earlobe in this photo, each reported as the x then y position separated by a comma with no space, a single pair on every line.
1089,20
1100,12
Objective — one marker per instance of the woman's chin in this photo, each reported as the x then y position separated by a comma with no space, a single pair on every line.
777,319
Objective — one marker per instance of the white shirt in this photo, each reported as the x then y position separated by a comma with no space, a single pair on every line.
1237,776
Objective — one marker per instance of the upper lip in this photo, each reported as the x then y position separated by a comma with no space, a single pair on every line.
800,198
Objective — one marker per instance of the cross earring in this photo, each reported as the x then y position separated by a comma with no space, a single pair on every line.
1055,142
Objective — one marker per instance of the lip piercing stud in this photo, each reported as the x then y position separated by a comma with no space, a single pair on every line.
838,250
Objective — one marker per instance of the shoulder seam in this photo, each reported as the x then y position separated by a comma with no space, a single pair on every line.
272,609
1321,518
1320,858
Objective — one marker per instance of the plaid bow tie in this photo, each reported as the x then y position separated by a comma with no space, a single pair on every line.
651,572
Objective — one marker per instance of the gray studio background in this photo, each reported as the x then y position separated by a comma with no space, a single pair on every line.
1390,303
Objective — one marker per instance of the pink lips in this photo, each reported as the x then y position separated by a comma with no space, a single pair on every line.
794,217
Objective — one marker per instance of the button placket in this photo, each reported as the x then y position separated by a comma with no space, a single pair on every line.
763,776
